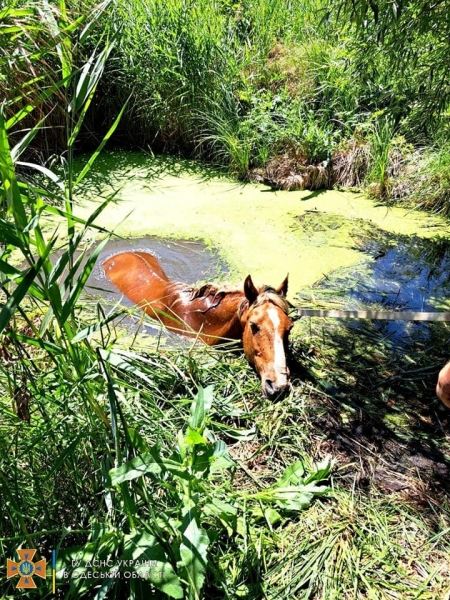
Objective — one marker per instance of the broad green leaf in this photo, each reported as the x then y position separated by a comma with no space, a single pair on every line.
193,437
7,269
151,563
64,47
85,558
28,108
149,463
8,234
322,471
293,500
225,512
292,475
220,458
203,455
136,467
218,464
271,515
220,507
194,552
296,498
200,407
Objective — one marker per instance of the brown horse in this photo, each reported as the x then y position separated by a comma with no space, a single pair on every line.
443,385
258,317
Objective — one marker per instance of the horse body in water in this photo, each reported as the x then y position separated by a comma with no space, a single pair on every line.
257,316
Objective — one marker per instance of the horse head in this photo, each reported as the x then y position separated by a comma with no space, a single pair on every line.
266,327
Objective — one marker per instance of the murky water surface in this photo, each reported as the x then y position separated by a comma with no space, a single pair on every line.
401,273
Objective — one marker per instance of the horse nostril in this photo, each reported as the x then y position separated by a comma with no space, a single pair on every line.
269,388
272,389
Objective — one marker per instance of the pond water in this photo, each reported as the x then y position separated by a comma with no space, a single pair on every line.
342,243
403,273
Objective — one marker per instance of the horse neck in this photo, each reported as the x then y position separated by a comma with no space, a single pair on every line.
233,307
215,313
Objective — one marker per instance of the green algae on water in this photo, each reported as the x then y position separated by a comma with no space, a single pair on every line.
256,230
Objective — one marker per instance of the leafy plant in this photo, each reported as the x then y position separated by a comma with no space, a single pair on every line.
192,506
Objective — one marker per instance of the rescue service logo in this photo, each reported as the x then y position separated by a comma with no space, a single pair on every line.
26,569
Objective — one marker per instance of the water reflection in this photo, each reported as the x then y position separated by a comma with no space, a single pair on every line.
406,273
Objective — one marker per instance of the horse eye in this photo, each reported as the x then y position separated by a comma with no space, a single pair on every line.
254,327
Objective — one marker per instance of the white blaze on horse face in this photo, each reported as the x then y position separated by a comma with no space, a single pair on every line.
279,361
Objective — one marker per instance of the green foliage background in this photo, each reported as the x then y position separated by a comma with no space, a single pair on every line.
124,456
240,83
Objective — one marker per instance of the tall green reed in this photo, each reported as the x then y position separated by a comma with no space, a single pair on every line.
43,370
381,137
80,477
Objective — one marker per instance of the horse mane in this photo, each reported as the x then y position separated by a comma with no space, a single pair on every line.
269,294
212,295
209,294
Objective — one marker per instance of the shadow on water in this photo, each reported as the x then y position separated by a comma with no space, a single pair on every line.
114,168
375,381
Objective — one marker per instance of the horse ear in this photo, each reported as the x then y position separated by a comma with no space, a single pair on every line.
251,293
282,290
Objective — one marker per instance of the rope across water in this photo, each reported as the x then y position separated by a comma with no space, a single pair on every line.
382,315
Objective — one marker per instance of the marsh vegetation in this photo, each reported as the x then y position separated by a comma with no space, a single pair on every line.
171,458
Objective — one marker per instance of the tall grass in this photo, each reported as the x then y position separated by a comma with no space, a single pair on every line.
199,69
381,138
428,179
242,85
100,457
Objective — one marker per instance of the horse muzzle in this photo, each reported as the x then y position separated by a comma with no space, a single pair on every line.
275,389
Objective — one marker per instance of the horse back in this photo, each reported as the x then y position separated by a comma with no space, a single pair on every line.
137,275
204,312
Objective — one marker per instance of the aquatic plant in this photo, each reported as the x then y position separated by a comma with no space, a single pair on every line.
86,478
131,456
